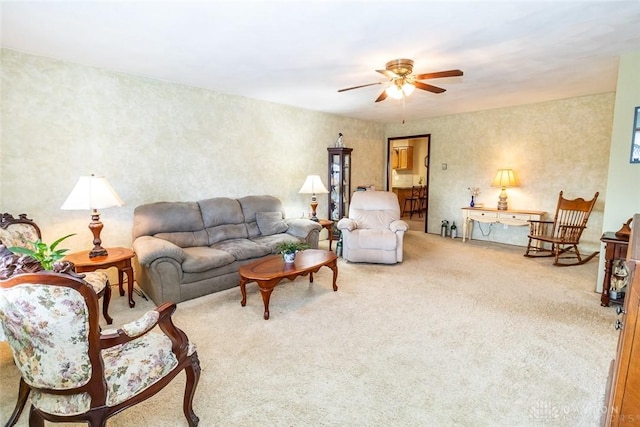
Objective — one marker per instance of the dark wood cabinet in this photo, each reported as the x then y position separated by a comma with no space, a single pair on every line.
339,184
623,390
615,251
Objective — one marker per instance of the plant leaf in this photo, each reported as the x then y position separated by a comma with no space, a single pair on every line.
21,250
54,244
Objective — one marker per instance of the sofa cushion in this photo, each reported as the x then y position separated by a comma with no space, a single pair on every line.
373,239
242,249
375,219
272,241
251,205
271,223
186,239
220,210
160,217
226,232
201,259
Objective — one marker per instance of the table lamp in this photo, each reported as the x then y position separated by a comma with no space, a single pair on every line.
93,193
313,185
504,178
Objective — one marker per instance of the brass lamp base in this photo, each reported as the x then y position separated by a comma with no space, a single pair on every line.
502,200
314,206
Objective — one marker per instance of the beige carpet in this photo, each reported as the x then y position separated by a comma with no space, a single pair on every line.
459,334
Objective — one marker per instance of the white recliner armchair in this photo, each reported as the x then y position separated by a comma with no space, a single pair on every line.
373,232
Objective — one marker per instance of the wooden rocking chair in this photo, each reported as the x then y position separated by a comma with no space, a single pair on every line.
560,238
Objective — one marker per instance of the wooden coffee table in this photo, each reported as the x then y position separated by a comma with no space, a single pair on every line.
269,271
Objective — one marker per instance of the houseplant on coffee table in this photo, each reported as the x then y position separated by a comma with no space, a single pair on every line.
289,249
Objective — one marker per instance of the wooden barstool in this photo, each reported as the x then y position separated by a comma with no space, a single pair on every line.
414,201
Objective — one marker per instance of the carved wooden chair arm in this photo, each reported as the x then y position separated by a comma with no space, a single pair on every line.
161,316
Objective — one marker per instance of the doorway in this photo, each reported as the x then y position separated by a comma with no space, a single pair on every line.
408,166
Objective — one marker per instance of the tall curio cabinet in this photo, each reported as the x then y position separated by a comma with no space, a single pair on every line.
339,184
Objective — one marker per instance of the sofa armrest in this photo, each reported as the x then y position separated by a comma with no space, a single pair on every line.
301,228
347,224
398,225
149,248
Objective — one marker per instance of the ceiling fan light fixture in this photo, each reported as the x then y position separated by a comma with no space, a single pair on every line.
408,88
401,83
394,91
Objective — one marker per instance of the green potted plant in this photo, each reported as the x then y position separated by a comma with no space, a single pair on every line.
47,255
289,249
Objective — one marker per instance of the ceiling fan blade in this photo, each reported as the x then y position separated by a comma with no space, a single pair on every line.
388,73
429,88
358,87
448,73
382,96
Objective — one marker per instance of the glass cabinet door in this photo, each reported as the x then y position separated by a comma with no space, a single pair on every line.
339,182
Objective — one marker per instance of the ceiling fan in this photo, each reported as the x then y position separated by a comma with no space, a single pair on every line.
402,82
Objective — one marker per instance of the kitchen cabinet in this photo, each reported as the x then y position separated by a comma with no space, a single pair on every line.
402,158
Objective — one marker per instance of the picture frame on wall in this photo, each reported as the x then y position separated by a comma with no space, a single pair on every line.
635,138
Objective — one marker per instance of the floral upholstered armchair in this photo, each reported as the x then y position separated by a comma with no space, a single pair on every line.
23,232
74,371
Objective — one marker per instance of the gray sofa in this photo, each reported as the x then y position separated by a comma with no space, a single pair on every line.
185,250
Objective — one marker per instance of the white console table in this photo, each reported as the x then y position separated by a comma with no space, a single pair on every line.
508,217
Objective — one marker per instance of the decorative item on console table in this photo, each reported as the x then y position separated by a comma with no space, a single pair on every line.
474,193
504,178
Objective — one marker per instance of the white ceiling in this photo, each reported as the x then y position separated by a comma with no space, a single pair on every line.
300,53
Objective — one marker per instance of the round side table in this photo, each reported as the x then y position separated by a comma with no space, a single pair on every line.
328,225
119,258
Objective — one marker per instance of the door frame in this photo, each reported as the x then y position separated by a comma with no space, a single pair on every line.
426,160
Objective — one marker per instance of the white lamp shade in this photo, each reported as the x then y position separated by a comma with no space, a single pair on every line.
313,185
505,178
92,192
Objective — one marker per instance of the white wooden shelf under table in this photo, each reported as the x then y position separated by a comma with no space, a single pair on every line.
493,215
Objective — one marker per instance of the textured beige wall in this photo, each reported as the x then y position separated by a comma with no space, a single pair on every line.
155,141
623,185
552,146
